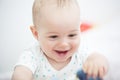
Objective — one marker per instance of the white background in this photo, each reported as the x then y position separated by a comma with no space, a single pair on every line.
16,17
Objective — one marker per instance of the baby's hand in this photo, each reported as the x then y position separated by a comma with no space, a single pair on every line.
96,65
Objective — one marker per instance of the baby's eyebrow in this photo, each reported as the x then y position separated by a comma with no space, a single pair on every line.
51,33
74,30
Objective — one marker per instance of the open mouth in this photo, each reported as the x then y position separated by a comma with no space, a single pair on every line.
61,53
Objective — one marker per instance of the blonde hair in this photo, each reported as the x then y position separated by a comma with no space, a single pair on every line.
38,4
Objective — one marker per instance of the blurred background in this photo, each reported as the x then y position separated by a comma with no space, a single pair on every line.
15,35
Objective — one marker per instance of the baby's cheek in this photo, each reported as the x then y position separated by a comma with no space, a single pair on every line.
46,46
75,45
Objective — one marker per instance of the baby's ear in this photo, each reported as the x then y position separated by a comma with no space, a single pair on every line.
34,32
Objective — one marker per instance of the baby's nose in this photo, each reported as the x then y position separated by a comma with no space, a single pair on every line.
64,44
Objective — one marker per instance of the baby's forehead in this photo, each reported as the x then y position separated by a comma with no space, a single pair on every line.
59,3
43,8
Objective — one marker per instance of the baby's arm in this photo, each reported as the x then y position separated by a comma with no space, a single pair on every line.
22,73
96,65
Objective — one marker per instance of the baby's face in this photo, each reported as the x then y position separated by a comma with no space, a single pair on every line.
59,33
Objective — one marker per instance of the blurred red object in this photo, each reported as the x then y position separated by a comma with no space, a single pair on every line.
85,26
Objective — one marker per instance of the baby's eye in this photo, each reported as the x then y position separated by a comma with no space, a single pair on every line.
72,35
54,36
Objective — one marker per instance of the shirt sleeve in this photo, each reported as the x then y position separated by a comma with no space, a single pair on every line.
28,60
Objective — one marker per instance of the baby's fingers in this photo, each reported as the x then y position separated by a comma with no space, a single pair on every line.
95,71
85,66
101,72
90,70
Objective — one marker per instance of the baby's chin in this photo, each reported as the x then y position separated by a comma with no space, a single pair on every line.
63,60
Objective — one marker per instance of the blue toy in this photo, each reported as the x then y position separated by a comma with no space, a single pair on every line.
82,76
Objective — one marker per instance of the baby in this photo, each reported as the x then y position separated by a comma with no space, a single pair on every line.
58,54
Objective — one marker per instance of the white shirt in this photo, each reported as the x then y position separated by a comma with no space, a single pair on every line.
35,60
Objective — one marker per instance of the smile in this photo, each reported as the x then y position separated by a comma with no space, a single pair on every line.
61,53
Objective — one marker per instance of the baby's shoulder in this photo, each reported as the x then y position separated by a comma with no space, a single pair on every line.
31,54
